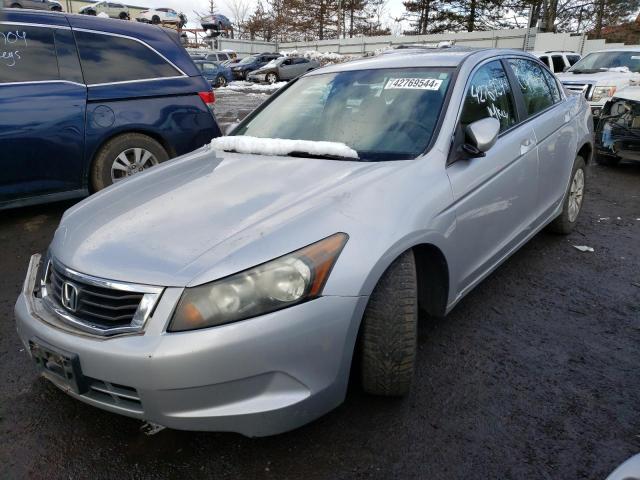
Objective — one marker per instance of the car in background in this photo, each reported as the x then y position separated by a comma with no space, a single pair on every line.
218,57
89,102
241,287
283,68
33,4
253,62
558,61
618,130
158,15
113,10
215,73
217,22
600,74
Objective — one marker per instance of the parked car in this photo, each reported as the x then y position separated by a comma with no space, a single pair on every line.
283,68
253,62
159,15
218,57
599,74
558,61
231,289
618,131
33,4
113,10
87,101
216,74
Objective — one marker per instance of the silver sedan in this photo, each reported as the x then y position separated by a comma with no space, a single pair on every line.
231,289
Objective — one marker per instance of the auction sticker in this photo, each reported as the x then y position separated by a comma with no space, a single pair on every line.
414,83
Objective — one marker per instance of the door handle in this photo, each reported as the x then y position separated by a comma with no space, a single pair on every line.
525,146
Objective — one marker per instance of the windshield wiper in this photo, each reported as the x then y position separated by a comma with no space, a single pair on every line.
323,156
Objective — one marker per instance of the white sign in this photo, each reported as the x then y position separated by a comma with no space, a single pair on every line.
414,83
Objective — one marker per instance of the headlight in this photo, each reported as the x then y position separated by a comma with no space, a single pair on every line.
277,284
601,92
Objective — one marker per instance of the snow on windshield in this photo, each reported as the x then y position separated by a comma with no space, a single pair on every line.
280,146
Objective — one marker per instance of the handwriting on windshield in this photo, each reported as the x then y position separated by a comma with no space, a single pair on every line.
11,44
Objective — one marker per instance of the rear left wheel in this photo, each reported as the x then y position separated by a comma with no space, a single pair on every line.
124,156
155,19
123,16
572,205
390,330
220,81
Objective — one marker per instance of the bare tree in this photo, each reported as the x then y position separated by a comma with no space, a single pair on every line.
240,12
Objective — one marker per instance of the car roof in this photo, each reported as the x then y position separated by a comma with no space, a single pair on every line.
163,40
449,57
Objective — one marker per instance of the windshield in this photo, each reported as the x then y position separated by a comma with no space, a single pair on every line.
246,60
272,63
387,114
600,61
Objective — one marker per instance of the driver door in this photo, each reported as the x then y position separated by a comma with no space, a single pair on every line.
494,194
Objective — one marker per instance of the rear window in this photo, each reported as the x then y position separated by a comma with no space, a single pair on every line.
110,59
27,54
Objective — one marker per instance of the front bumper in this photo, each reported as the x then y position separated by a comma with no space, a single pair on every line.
257,377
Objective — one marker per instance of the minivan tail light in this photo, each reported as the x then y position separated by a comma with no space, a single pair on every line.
208,98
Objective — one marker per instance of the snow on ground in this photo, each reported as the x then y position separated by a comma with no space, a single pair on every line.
241,86
279,146
325,58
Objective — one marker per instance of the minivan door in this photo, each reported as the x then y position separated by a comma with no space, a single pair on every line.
494,194
42,113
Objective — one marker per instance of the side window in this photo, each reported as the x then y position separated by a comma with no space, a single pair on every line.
299,61
489,95
533,85
108,59
553,86
209,68
68,62
573,59
27,54
545,60
558,63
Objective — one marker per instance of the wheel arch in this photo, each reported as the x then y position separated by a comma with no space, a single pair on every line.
586,152
142,131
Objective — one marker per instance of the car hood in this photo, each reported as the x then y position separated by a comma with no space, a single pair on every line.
599,78
206,215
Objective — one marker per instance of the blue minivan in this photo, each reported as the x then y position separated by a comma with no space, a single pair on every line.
87,101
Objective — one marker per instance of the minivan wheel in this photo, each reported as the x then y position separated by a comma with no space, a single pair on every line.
124,156
220,81
389,330
272,78
572,206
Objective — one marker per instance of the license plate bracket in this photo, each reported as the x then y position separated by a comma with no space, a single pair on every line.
59,366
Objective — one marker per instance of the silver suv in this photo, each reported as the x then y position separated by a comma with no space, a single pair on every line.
230,289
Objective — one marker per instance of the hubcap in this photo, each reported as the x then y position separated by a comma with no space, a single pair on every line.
271,78
575,195
131,161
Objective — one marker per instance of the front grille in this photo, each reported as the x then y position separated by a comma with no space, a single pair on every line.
113,394
101,307
581,88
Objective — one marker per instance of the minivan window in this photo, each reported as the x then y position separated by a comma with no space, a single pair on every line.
535,90
28,54
489,95
109,59
558,63
383,114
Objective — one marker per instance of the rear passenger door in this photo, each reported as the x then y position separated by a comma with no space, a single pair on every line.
301,65
42,112
494,194
549,114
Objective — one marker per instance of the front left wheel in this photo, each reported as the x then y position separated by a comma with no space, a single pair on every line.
123,156
271,78
390,330
220,81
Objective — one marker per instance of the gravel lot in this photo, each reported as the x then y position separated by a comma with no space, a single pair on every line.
534,375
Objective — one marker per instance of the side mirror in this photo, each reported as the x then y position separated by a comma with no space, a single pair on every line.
481,135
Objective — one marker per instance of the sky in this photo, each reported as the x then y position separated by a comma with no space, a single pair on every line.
394,7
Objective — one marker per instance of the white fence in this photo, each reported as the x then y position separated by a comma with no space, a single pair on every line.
519,38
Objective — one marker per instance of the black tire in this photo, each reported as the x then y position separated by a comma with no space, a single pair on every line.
16,5
563,224
220,81
123,16
106,156
271,76
155,19
606,161
390,330
92,12
56,9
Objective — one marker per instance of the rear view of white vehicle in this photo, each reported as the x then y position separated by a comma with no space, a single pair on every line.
600,74
558,61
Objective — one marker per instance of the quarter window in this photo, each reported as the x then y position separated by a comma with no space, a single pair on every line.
27,54
533,85
489,95
109,59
